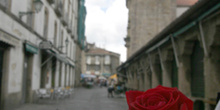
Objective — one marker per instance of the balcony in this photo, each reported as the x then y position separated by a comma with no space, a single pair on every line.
64,19
50,1
58,8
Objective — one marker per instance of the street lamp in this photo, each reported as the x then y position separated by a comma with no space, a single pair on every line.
38,4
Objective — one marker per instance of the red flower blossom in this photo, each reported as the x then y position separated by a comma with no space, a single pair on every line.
159,98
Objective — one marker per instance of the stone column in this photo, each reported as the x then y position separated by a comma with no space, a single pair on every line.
166,57
147,77
184,72
167,74
155,76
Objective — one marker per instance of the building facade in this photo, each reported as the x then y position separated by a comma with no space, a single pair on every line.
81,40
184,55
37,48
148,17
100,62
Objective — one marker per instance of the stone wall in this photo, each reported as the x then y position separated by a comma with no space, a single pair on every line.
159,64
146,19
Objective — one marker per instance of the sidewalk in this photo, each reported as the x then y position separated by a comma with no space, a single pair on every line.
83,99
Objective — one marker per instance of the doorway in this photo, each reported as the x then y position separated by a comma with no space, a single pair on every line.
27,78
44,70
3,67
174,73
53,72
197,76
60,75
1,72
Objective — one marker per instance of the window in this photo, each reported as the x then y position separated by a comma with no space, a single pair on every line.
46,17
107,69
107,59
97,62
88,68
30,16
69,7
70,55
66,46
55,33
88,60
97,68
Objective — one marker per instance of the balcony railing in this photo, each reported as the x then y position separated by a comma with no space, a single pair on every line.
58,8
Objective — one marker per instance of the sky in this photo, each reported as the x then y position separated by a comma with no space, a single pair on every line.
106,25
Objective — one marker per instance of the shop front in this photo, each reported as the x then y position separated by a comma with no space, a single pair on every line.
7,42
30,51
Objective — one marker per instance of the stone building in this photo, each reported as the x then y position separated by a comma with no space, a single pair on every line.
37,48
149,17
185,54
81,40
100,62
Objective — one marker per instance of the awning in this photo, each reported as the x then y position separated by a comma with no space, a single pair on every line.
31,48
113,76
58,56
87,76
106,74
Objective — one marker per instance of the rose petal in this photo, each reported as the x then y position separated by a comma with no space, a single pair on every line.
131,97
159,98
183,107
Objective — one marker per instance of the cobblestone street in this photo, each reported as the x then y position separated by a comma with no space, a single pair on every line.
83,99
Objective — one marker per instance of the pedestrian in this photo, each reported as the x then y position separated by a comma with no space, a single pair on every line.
111,88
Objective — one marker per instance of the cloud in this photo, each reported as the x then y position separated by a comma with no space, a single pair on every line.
106,24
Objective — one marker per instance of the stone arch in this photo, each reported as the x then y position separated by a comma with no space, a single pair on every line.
170,78
189,70
186,43
197,70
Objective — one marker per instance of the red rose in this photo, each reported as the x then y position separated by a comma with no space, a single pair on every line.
159,98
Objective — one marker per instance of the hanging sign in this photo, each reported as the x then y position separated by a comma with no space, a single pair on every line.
31,48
